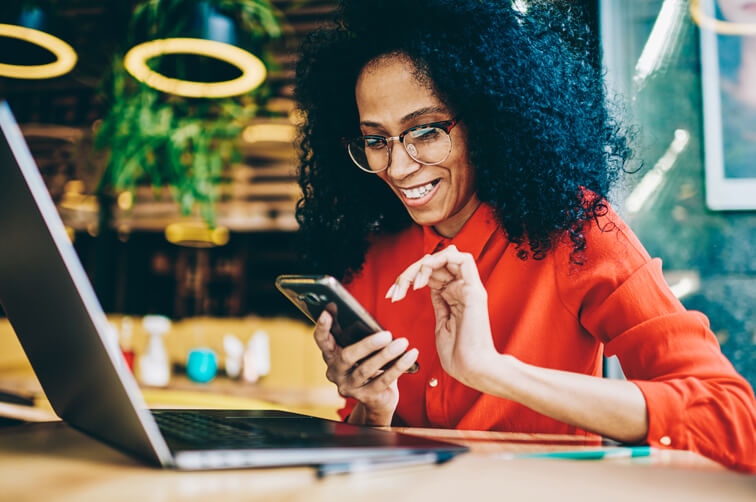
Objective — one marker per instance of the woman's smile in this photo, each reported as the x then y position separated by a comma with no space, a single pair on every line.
419,195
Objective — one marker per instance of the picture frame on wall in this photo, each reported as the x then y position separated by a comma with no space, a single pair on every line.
728,76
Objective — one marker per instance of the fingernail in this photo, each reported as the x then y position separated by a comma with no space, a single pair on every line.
410,355
390,291
322,316
398,346
397,295
382,338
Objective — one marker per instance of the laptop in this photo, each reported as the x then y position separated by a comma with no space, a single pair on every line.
63,330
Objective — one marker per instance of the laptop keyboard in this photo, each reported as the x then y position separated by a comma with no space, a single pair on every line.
204,430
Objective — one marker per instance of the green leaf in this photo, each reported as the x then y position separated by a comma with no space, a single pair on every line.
172,141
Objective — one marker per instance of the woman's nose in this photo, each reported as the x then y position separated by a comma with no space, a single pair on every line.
400,163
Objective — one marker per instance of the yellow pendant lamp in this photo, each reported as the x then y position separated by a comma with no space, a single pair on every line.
213,38
705,18
196,234
28,30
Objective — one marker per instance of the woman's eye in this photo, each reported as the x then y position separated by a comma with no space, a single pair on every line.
425,134
373,143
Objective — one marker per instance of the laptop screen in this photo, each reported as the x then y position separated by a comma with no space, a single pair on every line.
52,307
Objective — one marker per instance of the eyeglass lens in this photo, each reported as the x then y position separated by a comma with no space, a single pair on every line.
427,145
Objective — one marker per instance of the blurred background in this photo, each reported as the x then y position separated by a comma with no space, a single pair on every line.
179,199
103,141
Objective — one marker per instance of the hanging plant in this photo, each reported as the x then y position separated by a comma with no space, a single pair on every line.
175,142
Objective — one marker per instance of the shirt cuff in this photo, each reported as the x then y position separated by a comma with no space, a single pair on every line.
666,415
347,409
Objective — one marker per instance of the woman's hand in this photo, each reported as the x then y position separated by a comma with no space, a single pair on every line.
612,408
460,303
375,389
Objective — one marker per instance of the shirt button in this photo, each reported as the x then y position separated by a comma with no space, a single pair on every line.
433,382
666,440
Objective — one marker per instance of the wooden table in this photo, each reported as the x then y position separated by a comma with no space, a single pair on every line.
221,392
52,462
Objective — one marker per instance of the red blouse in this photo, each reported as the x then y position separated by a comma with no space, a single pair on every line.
555,314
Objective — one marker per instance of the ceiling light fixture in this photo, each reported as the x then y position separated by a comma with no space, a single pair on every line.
253,70
708,21
196,234
65,55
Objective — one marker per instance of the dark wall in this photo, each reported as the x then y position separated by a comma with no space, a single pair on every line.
145,274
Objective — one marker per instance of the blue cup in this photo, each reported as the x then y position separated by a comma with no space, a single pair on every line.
201,365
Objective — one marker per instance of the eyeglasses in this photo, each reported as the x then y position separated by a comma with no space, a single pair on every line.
427,144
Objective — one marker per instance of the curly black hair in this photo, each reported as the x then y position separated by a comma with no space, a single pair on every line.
529,86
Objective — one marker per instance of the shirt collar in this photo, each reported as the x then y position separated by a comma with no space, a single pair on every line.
471,238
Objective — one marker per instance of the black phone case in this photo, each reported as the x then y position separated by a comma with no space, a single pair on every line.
314,293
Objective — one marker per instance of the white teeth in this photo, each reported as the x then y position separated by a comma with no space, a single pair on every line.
416,193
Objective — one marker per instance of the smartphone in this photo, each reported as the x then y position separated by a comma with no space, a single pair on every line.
313,294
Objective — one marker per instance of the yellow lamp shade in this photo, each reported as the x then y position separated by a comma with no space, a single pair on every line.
66,56
196,234
253,70
710,22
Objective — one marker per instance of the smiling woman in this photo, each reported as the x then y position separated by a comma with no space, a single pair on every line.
456,161
438,191
529,96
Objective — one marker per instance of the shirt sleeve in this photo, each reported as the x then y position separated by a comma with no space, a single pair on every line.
695,399
347,409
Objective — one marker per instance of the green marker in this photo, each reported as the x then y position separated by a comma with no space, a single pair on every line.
597,454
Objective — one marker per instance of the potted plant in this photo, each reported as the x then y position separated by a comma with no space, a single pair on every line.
178,142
